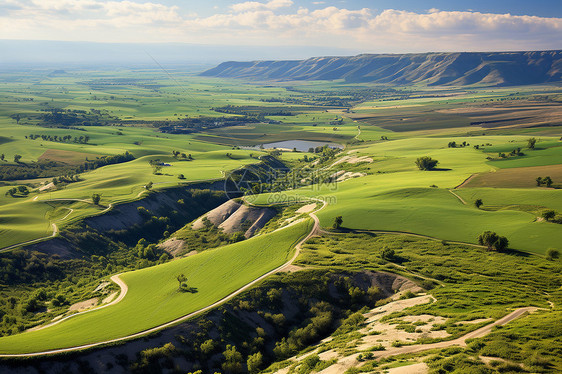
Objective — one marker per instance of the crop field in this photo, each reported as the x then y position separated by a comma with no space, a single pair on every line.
153,297
524,177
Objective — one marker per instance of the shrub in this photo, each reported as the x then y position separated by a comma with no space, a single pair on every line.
426,163
552,254
493,241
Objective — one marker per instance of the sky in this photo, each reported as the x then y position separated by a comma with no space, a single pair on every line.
375,26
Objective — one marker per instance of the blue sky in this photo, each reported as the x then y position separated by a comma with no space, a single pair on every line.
376,26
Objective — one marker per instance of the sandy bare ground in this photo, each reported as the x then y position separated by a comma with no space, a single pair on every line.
217,215
381,333
419,368
231,216
124,290
350,361
352,160
173,246
306,208
47,187
83,305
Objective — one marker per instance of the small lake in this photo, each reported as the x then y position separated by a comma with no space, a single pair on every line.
300,145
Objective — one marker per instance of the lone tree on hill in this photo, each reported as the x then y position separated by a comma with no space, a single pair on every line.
478,203
531,143
181,279
493,241
547,181
96,198
337,222
17,158
426,163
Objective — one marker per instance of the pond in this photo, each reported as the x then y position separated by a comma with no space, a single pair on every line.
300,145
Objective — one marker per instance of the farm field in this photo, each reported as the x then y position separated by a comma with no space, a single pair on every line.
515,177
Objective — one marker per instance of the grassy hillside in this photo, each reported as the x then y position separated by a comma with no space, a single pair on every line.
153,297
396,196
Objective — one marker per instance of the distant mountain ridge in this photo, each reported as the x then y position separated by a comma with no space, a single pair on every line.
458,68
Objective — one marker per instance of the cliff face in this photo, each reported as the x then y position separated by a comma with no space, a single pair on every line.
462,68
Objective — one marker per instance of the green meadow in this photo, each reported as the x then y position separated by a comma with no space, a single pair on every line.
387,132
153,297
396,196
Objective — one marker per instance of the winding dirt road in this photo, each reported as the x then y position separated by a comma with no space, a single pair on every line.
124,289
54,225
483,331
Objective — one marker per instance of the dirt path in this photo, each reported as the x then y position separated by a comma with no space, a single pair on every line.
458,197
466,181
124,289
358,133
483,331
55,232
54,225
351,361
122,294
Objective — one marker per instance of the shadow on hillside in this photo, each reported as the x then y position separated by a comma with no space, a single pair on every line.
189,289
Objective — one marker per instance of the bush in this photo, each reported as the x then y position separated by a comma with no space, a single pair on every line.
552,254
426,163
493,241
388,254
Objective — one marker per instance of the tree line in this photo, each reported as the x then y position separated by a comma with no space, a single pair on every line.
83,139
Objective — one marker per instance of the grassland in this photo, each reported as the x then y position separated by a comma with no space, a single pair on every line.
390,195
395,196
468,284
153,297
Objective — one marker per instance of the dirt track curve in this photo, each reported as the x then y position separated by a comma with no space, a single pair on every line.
124,288
483,331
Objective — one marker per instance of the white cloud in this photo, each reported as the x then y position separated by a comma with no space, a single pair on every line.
254,5
277,22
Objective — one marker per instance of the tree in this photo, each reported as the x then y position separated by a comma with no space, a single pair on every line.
17,158
531,143
181,279
148,186
493,241
552,254
254,362
478,203
388,254
2,157
426,163
539,181
337,222
548,214
96,198
547,181
232,360
181,176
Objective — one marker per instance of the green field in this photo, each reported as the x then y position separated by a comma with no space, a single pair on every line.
153,297
383,131
400,198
